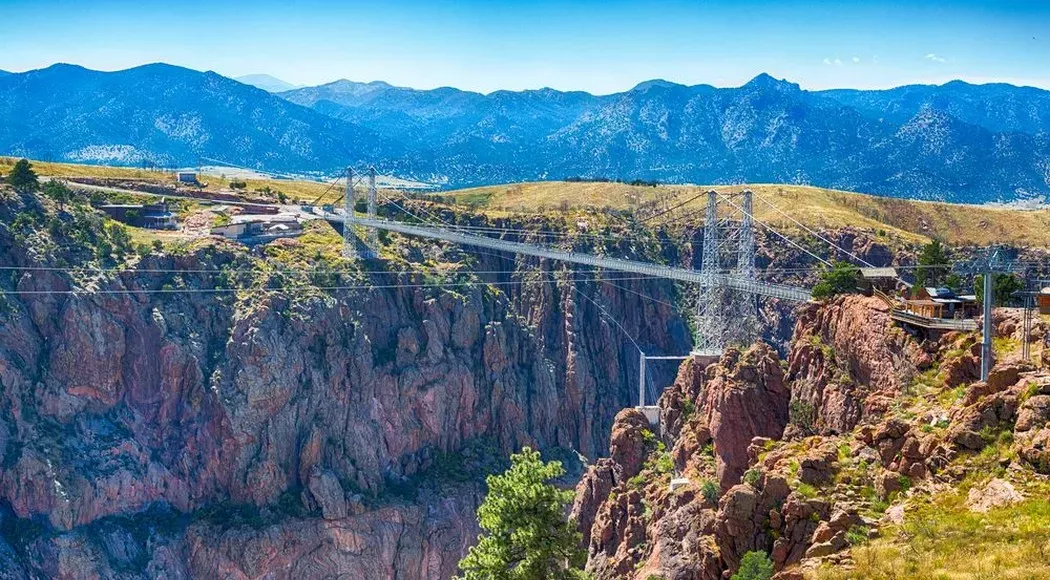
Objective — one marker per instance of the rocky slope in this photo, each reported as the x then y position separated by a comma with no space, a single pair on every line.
153,424
804,458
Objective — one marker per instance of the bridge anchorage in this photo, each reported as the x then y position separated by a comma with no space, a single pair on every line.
727,308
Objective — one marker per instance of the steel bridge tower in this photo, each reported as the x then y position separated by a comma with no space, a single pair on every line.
710,335
351,222
720,321
746,303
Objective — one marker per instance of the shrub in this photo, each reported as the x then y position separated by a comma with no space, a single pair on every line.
802,415
841,278
754,566
753,476
711,491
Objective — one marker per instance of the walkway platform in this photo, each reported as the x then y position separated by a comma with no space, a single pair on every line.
942,324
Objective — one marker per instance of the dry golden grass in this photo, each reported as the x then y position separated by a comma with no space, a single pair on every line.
307,191
915,221
945,541
907,220
49,169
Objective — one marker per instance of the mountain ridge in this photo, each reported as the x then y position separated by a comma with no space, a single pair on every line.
168,115
767,130
268,83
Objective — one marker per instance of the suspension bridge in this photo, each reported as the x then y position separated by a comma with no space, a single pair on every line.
728,279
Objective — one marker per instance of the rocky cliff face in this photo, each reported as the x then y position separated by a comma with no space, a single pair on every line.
848,362
199,433
802,463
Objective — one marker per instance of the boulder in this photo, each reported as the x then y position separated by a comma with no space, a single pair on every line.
327,492
996,493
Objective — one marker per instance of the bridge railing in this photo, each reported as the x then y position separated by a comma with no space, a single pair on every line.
780,291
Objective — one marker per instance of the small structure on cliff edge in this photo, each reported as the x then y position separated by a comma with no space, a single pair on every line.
258,229
942,303
881,279
155,216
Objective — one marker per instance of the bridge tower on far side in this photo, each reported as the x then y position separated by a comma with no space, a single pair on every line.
350,249
349,221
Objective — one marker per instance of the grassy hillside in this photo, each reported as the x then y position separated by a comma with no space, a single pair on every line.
294,189
917,221
815,207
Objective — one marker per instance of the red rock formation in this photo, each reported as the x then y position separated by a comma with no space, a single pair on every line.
847,362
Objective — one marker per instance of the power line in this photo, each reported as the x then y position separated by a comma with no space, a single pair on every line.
123,291
420,270
613,320
645,296
771,229
672,208
807,229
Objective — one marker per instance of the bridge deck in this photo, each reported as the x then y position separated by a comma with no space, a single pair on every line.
781,291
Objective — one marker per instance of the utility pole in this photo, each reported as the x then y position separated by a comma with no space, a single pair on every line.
992,266
641,379
986,338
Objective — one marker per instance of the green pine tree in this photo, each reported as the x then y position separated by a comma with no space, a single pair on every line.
525,533
754,566
23,178
58,192
933,260
1004,286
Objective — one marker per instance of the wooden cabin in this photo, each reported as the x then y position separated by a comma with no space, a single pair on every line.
941,303
1042,300
884,280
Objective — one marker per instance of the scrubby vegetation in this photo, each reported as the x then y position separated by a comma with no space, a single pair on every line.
840,278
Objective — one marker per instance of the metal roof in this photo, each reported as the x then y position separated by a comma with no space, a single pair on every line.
886,272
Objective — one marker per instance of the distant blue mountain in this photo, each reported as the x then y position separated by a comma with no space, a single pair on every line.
171,116
956,142
995,107
265,82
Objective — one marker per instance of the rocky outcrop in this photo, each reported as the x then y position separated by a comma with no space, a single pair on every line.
848,363
330,409
803,494
644,528
730,403
1032,429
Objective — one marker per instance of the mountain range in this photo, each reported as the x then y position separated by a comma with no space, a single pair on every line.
268,83
954,142
170,116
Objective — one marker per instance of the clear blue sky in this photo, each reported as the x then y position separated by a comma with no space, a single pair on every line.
595,45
